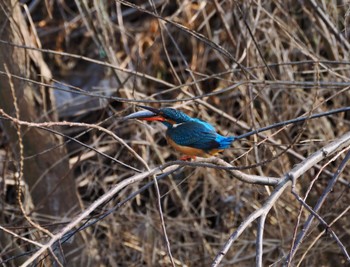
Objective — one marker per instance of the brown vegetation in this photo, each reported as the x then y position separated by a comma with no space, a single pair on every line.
239,65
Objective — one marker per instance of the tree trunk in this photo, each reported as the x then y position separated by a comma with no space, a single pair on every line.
50,181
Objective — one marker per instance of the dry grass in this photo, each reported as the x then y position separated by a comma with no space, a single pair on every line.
287,60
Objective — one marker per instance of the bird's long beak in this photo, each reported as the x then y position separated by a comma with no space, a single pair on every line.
154,110
151,114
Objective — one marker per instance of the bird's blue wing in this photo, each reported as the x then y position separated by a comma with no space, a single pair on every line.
194,134
206,124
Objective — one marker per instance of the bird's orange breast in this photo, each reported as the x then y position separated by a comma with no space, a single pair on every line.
192,151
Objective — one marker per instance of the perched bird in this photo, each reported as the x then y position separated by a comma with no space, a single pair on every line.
190,136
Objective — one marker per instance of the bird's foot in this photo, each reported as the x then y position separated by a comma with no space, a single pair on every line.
188,158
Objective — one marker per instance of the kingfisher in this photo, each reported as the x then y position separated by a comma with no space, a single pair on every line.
189,136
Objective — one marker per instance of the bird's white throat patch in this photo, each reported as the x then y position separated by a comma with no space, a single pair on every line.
177,124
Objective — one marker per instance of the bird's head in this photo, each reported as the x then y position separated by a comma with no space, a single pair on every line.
168,116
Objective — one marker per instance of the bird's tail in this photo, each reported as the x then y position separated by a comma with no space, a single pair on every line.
225,141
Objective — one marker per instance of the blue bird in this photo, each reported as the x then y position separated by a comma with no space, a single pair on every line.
190,136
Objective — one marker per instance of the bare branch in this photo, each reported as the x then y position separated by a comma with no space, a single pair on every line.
288,180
